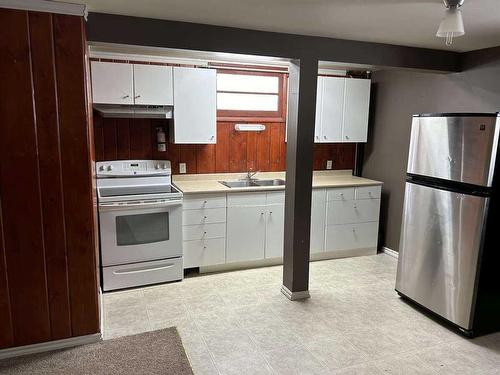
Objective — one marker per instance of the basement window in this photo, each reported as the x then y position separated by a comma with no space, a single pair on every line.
249,94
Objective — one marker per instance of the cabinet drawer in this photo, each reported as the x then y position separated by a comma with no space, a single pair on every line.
204,252
345,212
198,202
368,192
246,199
207,216
351,236
276,197
340,194
203,231
136,274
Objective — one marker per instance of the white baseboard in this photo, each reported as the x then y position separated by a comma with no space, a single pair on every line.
390,252
293,296
50,345
279,260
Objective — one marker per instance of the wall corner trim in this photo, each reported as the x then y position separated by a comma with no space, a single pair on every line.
50,345
390,252
46,6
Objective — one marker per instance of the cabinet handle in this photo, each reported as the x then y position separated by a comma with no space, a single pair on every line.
212,137
317,137
346,137
137,96
204,217
324,137
353,230
270,212
125,96
262,213
204,202
204,247
204,233
355,207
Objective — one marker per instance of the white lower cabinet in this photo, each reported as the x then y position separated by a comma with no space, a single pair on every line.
351,236
318,217
246,233
352,218
204,252
275,228
204,230
255,226
250,227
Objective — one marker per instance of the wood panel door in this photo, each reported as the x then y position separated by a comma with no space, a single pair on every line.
48,254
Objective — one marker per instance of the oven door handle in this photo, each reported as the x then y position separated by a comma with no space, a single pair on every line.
143,269
138,205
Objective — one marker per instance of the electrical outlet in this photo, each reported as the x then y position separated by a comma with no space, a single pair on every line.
182,167
329,164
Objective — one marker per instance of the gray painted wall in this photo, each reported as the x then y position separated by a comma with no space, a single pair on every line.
399,94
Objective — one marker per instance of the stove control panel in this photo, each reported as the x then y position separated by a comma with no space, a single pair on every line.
118,168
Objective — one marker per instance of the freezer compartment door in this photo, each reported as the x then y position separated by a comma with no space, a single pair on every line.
439,249
461,149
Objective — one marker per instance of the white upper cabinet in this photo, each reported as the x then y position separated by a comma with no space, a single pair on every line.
342,107
119,83
329,109
112,83
153,85
195,109
356,108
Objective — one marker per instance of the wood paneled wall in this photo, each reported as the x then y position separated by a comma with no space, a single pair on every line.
117,139
48,253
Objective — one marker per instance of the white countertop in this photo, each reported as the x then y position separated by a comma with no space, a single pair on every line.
209,183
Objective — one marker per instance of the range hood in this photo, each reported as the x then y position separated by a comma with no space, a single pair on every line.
133,111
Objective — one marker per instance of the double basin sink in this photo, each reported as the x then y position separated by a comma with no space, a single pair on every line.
253,183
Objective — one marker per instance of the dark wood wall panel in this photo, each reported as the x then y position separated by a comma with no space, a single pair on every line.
47,124
6,333
20,188
48,260
234,151
70,47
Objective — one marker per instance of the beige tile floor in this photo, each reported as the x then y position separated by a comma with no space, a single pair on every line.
354,323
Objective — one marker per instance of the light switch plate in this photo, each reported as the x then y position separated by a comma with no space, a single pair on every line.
182,167
329,164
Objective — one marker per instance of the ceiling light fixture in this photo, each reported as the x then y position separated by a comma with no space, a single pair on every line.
452,24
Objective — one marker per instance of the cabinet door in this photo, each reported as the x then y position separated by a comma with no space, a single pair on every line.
246,231
319,101
356,108
112,83
153,85
275,228
332,103
195,92
318,221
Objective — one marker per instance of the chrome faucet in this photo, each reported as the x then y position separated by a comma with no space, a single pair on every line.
251,173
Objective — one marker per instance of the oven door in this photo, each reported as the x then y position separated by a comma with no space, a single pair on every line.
140,231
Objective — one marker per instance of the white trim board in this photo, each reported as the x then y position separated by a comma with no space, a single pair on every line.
50,345
46,6
293,296
390,252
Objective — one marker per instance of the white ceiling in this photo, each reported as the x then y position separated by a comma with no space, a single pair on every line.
403,22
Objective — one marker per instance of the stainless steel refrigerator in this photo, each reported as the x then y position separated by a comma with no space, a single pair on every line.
449,252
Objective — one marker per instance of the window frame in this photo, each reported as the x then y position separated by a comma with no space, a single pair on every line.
246,115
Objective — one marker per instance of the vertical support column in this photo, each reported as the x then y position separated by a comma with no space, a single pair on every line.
299,163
